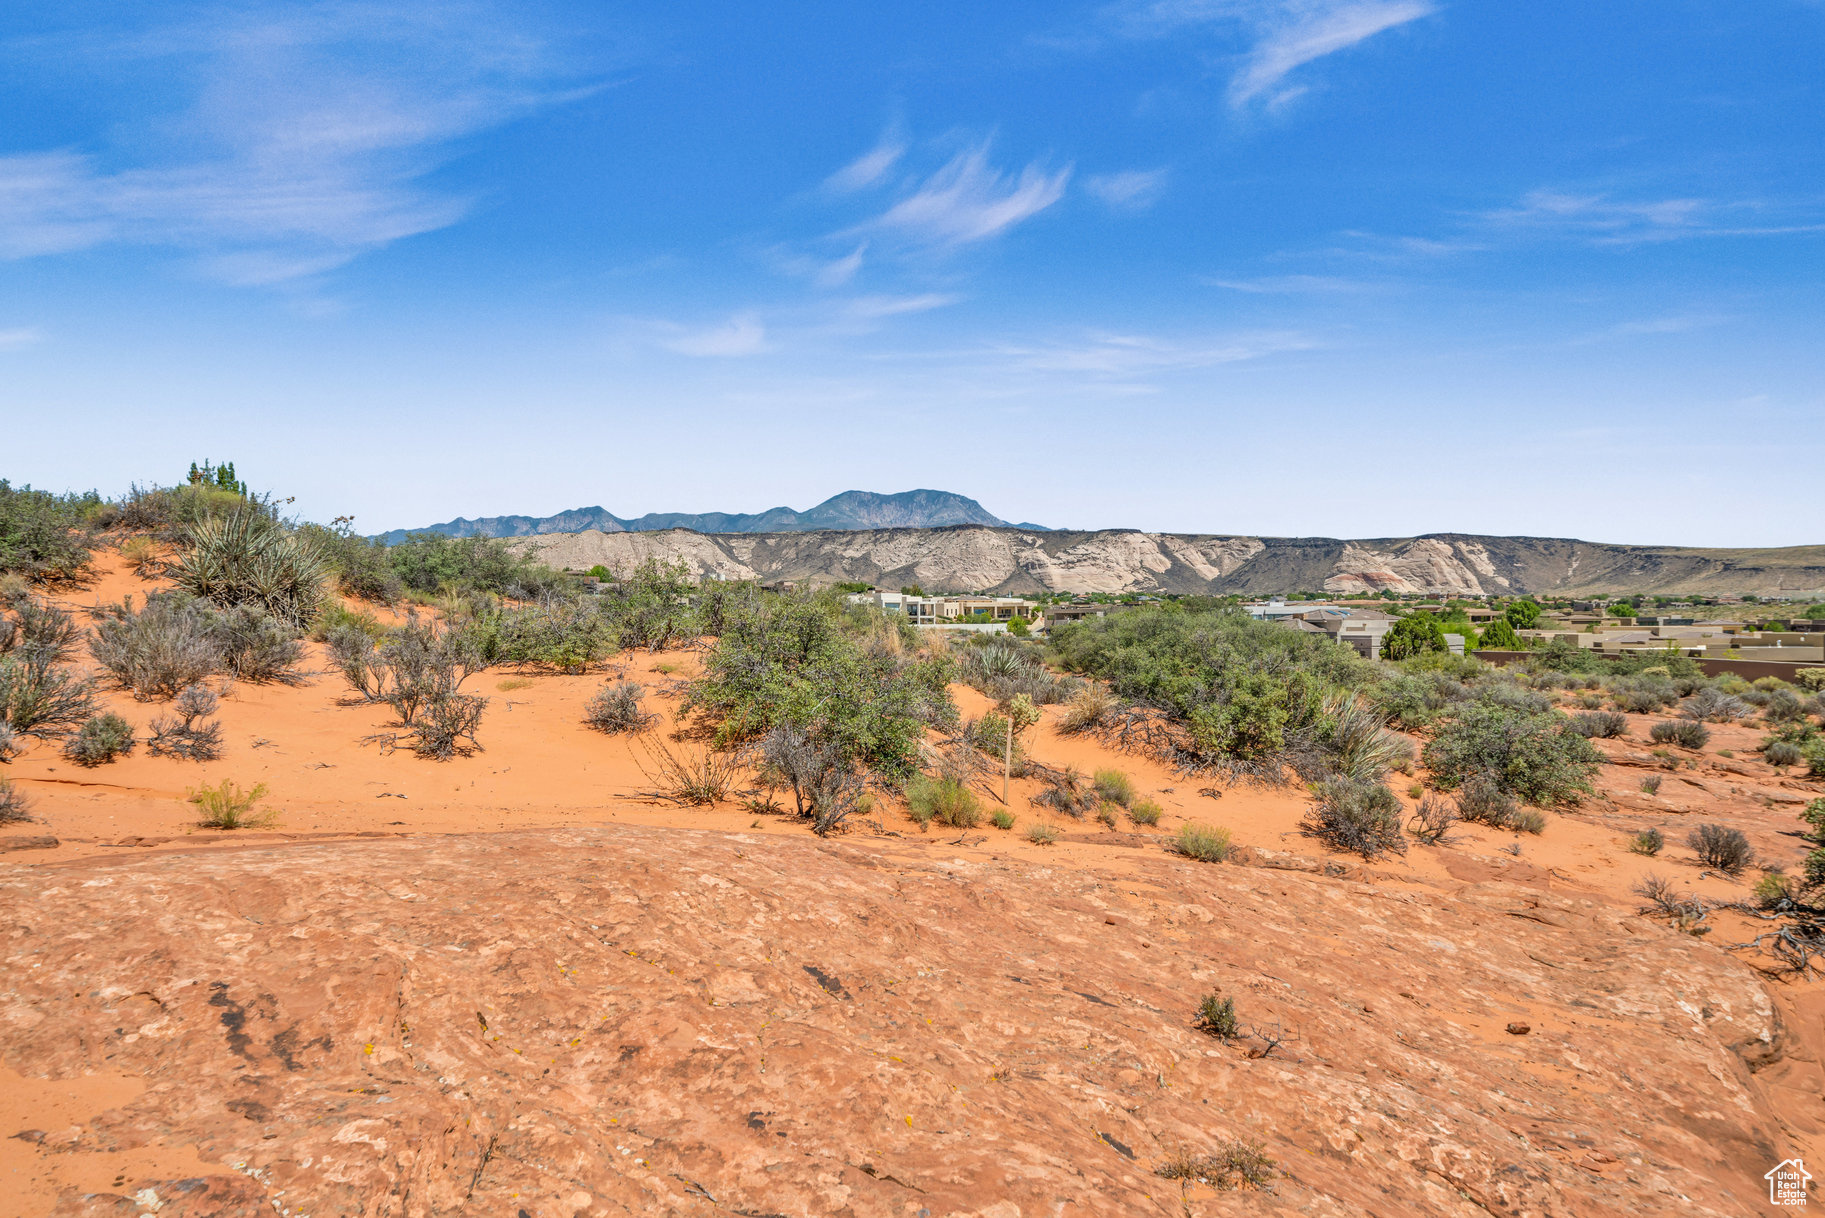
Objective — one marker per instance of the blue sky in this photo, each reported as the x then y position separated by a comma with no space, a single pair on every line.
1309,267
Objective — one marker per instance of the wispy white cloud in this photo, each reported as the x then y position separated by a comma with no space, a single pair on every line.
969,200
741,335
23,336
870,167
1128,355
1672,323
1606,220
1284,35
1130,190
1292,285
304,140
872,307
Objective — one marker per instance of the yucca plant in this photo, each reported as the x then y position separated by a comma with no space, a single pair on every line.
246,557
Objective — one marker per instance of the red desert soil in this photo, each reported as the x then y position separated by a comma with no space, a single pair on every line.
511,984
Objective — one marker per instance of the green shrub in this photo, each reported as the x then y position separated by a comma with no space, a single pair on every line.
1775,891
1361,817
1144,812
1649,842
1536,756
793,660
1686,733
944,799
1002,819
1726,849
249,558
616,708
39,697
566,635
15,808
337,616
361,567
100,740
226,806
1414,635
1234,692
1522,614
1501,636
1606,725
1204,843
428,562
1216,1016
45,536
1114,786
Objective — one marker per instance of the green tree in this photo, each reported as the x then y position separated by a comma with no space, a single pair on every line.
1523,615
1501,636
1414,635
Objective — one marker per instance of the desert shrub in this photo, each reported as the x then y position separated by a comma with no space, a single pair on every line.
100,740
1067,791
1238,1164
1528,820
1757,698
226,806
1686,733
420,665
1236,692
1204,843
15,808
1001,818
699,777
180,735
1144,812
1042,835
44,536
360,567
428,562
39,625
445,726
945,799
11,742
1361,817
336,616
1513,696
1604,725
38,696
1812,679
794,661
1785,706
1114,786
1725,849
1651,784
1432,821
651,608
167,645
1536,756
1108,815
250,558
568,634
141,556
1776,891
1352,740
1216,1016
1088,709
1416,698
1481,801
1687,911
823,779
1003,668
1638,701
1769,684
168,512
616,707
1782,753
252,645
1649,842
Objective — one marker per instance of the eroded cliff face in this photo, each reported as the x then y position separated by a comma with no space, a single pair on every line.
643,1020
980,559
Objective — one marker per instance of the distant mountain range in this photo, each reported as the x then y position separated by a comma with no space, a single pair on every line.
921,509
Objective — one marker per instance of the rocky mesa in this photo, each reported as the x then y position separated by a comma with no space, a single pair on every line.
974,558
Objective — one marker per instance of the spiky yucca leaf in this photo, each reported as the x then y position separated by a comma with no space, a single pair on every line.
246,557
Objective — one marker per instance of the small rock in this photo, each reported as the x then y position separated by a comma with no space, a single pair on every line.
36,842
1518,1029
